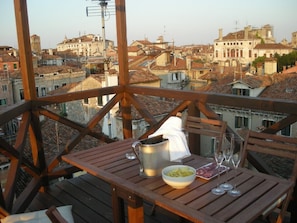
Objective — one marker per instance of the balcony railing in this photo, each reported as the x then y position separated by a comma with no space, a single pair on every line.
41,171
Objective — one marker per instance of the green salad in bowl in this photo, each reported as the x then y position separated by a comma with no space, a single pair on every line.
178,176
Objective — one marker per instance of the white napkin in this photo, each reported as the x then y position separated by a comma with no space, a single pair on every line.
171,129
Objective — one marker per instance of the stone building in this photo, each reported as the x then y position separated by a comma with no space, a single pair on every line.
294,40
274,86
268,50
35,44
239,46
47,79
87,45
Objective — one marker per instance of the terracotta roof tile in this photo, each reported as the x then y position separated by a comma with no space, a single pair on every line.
154,105
284,87
141,76
271,46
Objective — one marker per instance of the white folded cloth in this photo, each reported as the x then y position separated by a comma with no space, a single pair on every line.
171,129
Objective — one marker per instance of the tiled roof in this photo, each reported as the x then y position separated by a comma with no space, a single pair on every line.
268,46
53,69
5,57
222,83
64,89
141,76
133,48
154,105
284,87
235,35
143,42
291,70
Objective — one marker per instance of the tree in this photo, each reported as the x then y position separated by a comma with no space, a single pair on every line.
287,60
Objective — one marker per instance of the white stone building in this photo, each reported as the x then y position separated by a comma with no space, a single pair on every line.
239,46
87,45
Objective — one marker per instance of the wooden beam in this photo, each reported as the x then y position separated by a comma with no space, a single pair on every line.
123,64
22,25
122,42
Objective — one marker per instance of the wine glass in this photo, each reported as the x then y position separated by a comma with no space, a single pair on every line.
219,158
227,148
236,158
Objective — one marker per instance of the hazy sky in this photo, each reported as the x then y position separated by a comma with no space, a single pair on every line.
184,21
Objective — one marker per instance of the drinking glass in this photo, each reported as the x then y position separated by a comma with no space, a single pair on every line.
219,158
236,158
227,148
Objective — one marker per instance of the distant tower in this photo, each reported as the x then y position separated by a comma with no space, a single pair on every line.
294,40
35,44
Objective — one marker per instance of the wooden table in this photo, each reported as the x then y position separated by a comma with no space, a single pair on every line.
195,203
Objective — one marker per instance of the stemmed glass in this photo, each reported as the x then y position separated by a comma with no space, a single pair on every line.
219,158
227,148
236,158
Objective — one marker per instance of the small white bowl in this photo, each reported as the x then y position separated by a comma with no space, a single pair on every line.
178,181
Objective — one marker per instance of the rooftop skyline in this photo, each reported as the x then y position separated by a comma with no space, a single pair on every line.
187,22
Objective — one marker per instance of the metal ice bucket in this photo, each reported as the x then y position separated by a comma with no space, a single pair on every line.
153,155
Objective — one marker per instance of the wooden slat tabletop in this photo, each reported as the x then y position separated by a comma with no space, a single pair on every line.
195,202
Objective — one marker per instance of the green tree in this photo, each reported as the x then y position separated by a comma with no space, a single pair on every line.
287,60
258,60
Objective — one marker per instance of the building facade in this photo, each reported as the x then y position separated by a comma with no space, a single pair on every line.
87,45
239,46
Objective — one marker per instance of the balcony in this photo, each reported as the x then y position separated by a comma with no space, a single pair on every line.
27,151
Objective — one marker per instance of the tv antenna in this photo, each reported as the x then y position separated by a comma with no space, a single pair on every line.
103,9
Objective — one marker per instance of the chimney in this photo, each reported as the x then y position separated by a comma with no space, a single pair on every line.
220,34
50,52
246,32
189,62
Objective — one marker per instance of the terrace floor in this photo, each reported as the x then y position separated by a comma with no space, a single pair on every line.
91,200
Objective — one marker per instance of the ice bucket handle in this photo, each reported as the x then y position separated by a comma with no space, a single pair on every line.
136,146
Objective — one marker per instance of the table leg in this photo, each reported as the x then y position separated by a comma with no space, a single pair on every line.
135,215
117,208
135,205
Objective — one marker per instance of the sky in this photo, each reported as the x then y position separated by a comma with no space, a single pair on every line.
183,21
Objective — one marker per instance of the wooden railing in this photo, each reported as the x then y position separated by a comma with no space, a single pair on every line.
41,171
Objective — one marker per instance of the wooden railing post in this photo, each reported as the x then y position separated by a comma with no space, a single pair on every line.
123,65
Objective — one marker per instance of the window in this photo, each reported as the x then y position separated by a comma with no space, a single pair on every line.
217,53
241,122
267,123
5,67
86,101
56,86
220,116
175,76
99,101
15,66
4,88
43,91
286,131
250,53
22,97
2,101
242,92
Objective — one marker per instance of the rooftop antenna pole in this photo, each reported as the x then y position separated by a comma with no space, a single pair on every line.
92,10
